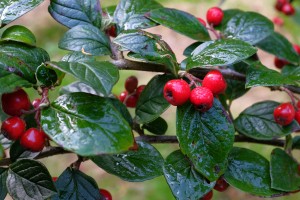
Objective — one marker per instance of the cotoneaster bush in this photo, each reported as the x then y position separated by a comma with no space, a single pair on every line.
86,119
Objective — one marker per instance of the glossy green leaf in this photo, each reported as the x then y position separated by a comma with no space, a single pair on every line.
72,13
29,179
19,33
76,56
134,166
87,125
184,181
13,9
206,138
284,171
181,22
249,172
279,46
228,14
250,27
3,188
158,126
257,121
78,87
122,109
86,38
188,51
129,14
101,76
17,152
220,53
74,184
289,70
151,103
46,76
296,142
6,143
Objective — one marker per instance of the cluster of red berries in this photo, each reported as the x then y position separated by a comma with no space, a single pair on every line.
14,127
177,91
280,63
221,186
285,113
285,7
132,92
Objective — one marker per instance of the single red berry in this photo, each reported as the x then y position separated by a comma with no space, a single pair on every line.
33,139
279,63
208,196
13,128
214,16
202,98
284,114
221,185
131,84
106,194
36,103
123,96
54,179
280,3
202,21
278,21
112,31
215,81
131,101
139,90
297,116
177,92
297,48
288,9
13,103
298,104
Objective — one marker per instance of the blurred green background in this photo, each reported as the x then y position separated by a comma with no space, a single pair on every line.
48,33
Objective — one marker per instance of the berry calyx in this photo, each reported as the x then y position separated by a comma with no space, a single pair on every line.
177,92
208,196
214,16
202,21
284,114
297,48
202,98
13,103
106,194
280,3
221,185
215,81
13,128
131,84
288,9
279,63
139,90
33,139
131,101
36,103
123,96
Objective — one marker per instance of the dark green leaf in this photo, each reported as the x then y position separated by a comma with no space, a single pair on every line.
87,125
158,127
86,38
17,152
284,171
296,142
279,46
135,166
206,138
151,103
101,76
122,109
19,33
235,89
72,12
220,53
29,179
250,27
258,122
46,76
78,87
289,70
180,22
109,10
129,14
73,184
77,57
228,14
188,51
3,188
184,181
249,172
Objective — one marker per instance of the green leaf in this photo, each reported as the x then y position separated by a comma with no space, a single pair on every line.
257,122
46,76
73,184
206,138
135,166
19,33
220,53
129,14
181,22
86,38
122,109
13,9
78,87
184,181
188,51
296,142
279,46
289,70
228,14
6,143
17,152
3,188
249,172
284,171
75,56
151,103
259,75
87,125
250,27
158,126
72,12
101,76
29,179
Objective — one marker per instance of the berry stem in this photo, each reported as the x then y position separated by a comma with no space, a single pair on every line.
291,95
211,28
288,144
77,163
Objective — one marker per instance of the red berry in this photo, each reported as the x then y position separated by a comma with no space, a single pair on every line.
221,185
297,116
123,96
131,84
288,9
13,103
208,196
33,139
202,98
54,179
36,103
280,3
279,63
139,90
215,81
177,92
131,101
214,16
297,48
13,128
106,194
202,21
278,21
284,114
298,104
112,31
